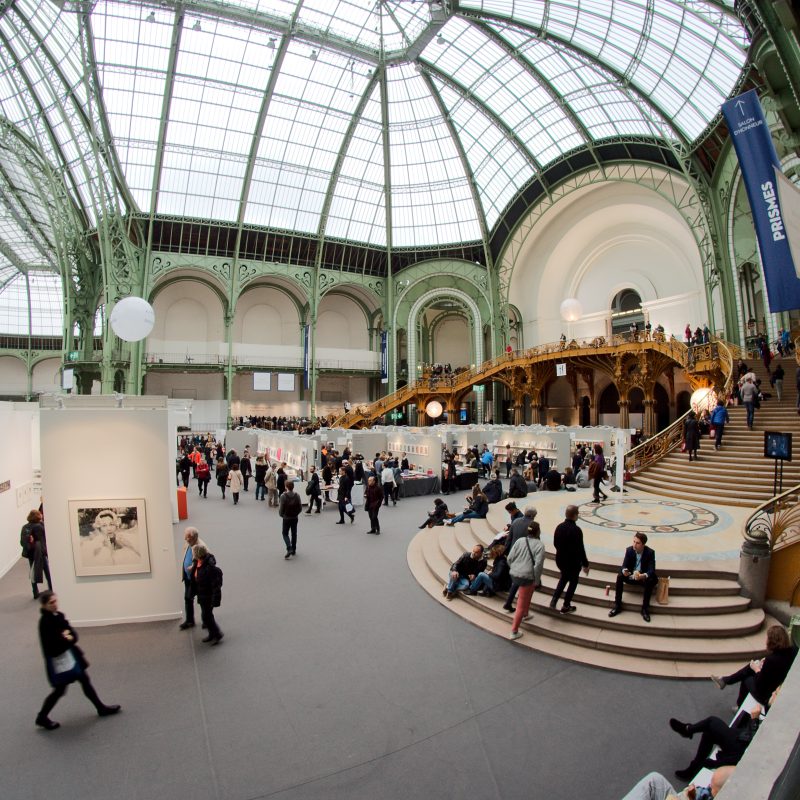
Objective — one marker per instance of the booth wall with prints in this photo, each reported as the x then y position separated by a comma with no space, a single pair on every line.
77,485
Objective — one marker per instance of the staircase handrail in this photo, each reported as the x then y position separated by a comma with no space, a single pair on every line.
656,447
773,518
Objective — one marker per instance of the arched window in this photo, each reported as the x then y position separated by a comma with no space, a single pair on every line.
626,308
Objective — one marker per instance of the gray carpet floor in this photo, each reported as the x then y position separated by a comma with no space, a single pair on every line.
338,678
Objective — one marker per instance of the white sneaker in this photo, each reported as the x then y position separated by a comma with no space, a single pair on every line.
515,635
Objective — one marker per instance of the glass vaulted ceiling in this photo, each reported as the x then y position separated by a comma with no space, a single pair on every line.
388,122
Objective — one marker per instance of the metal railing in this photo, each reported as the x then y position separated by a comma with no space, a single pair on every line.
774,520
656,447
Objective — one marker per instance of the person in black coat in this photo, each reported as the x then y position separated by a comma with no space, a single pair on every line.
222,476
327,478
34,547
691,435
343,496
762,677
437,516
517,486
313,490
638,567
64,661
246,466
570,558
493,489
207,578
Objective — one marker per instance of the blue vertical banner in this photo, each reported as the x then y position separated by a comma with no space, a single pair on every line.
306,356
759,164
384,357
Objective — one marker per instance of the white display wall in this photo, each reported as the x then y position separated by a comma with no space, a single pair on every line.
19,457
93,454
423,451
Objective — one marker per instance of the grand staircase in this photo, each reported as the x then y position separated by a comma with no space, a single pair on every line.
706,628
737,474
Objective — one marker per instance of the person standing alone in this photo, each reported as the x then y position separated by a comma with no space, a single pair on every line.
289,507
373,499
570,558
719,416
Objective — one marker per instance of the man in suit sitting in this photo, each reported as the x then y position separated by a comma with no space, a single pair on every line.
638,567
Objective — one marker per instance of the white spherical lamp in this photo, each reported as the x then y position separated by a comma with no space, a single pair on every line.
434,409
571,310
132,319
703,400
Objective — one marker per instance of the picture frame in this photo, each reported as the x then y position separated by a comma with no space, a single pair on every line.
109,536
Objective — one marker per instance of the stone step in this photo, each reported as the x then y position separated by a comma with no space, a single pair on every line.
738,619
660,643
694,577
732,497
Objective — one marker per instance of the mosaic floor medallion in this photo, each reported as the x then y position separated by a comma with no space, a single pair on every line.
649,516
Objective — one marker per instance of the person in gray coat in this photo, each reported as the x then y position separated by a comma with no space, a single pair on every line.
526,561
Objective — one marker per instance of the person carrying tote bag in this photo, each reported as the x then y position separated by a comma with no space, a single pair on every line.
526,561
64,661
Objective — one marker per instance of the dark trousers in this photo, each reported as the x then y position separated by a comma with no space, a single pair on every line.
311,501
289,527
342,512
188,601
746,679
570,580
207,615
597,480
716,733
236,498
751,411
720,429
202,486
374,525
648,585
185,479
46,573
387,493
59,691
512,593
246,479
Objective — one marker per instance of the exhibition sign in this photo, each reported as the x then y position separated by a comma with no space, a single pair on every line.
109,537
759,163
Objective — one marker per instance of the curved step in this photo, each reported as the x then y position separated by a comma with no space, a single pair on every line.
585,651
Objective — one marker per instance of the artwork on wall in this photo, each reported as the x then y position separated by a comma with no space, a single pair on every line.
109,537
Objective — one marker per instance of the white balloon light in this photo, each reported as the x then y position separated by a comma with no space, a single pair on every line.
132,319
434,409
571,310
703,400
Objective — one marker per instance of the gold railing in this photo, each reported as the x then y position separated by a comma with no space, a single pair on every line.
656,447
774,519
457,381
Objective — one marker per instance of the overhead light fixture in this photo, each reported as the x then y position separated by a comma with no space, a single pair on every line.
313,55
271,42
196,26
440,39
151,17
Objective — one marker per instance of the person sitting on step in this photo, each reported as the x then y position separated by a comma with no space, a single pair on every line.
498,580
464,571
638,568
493,489
654,786
517,486
478,509
437,515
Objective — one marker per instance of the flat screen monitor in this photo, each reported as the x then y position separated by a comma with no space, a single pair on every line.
778,445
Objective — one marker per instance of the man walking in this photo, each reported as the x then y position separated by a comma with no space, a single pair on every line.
749,395
289,507
192,538
570,558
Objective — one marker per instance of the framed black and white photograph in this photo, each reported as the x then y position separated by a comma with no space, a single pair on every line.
109,537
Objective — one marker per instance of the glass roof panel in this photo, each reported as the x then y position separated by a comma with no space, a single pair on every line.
45,302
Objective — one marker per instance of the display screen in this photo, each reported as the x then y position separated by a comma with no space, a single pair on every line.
778,445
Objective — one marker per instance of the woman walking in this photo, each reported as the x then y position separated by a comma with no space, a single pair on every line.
525,561
34,548
64,661
235,481
222,476
597,471
313,491
203,474
691,435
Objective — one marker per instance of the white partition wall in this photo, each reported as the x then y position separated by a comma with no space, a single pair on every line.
424,451
18,460
95,455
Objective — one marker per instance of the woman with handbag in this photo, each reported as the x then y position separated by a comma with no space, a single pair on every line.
64,661
526,562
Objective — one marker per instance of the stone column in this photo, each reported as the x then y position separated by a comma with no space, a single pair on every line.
754,561
624,417
650,424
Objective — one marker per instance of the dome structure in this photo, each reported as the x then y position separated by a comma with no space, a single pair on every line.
388,123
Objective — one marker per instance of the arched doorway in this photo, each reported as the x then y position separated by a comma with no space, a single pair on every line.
626,308
608,406
662,406
586,411
682,403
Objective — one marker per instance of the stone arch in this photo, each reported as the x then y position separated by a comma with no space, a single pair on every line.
662,406
342,322
419,305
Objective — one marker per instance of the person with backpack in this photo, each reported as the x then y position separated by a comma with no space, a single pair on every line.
207,578
34,547
289,507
